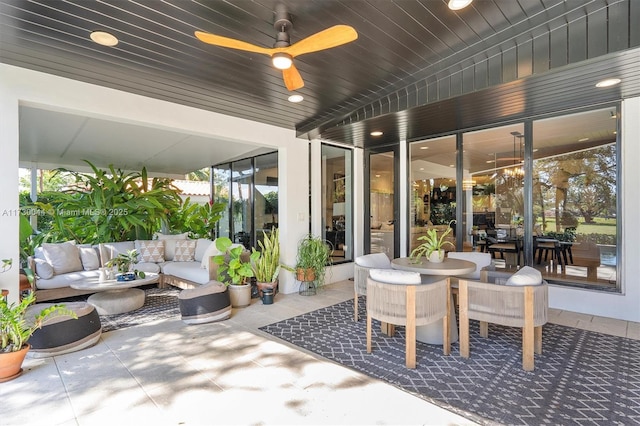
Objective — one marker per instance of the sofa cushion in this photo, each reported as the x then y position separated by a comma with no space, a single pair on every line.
374,260
202,245
43,268
525,276
170,243
110,250
89,257
150,250
211,250
148,267
65,280
63,257
394,276
185,251
190,271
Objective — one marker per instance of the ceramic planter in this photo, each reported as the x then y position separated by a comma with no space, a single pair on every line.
436,256
11,363
240,295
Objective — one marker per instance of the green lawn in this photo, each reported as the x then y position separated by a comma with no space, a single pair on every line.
601,226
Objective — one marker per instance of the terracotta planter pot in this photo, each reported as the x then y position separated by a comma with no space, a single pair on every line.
262,286
11,363
305,275
240,295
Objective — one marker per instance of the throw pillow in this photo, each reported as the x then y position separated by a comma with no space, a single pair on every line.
525,276
152,251
43,269
89,258
63,257
170,243
185,251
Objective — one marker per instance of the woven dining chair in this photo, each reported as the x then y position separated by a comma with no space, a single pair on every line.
362,266
410,305
496,300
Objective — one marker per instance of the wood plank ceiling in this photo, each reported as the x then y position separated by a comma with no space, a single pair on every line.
414,60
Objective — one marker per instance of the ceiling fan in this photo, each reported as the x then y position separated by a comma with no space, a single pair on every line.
283,52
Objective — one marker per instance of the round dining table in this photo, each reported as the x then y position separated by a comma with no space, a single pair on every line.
432,272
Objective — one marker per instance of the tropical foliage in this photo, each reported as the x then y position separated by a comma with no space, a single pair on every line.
233,269
432,243
199,220
314,253
267,266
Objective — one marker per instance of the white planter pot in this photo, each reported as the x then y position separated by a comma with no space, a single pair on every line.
437,256
240,295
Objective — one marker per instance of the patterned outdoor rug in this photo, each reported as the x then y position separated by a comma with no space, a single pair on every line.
159,303
581,378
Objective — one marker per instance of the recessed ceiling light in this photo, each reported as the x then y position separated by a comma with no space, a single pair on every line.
583,139
491,161
376,133
608,82
459,4
424,147
377,175
295,98
421,168
104,38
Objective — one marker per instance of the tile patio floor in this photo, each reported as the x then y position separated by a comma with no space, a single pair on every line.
169,373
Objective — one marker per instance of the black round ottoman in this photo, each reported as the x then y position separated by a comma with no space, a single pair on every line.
206,303
63,334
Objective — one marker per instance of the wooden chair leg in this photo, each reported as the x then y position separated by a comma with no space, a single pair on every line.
355,307
410,327
527,331
537,339
368,333
484,329
463,300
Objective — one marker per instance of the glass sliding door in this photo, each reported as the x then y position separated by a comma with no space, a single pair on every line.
337,201
433,188
221,178
242,202
575,186
381,167
493,193
265,195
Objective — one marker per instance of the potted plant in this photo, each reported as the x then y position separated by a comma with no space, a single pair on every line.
314,254
266,265
124,262
433,246
234,270
15,330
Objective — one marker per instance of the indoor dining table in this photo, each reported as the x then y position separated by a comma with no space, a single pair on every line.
432,272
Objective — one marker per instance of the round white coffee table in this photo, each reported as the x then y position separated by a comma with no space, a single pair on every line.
116,297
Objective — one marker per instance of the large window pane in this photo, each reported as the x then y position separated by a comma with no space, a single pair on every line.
433,187
337,201
241,192
265,194
221,187
575,196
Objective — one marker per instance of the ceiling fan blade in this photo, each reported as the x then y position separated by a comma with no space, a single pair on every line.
326,39
232,43
292,78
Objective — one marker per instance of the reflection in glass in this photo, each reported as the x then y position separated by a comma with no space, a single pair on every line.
265,194
433,187
575,197
241,188
221,187
381,203
337,217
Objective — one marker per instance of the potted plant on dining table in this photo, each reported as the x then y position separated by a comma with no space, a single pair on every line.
433,246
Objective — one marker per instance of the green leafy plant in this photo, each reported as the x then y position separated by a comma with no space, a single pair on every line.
314,254
266,266
432,243
109,205
199,220
234,268
15,331
124,262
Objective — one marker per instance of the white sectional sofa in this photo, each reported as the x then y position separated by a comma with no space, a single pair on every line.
180,261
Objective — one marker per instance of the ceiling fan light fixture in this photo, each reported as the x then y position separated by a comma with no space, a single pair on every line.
295,98
459,4
376,133
282,61
104,38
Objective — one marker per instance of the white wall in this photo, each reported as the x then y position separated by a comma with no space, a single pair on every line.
624,306
21,86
